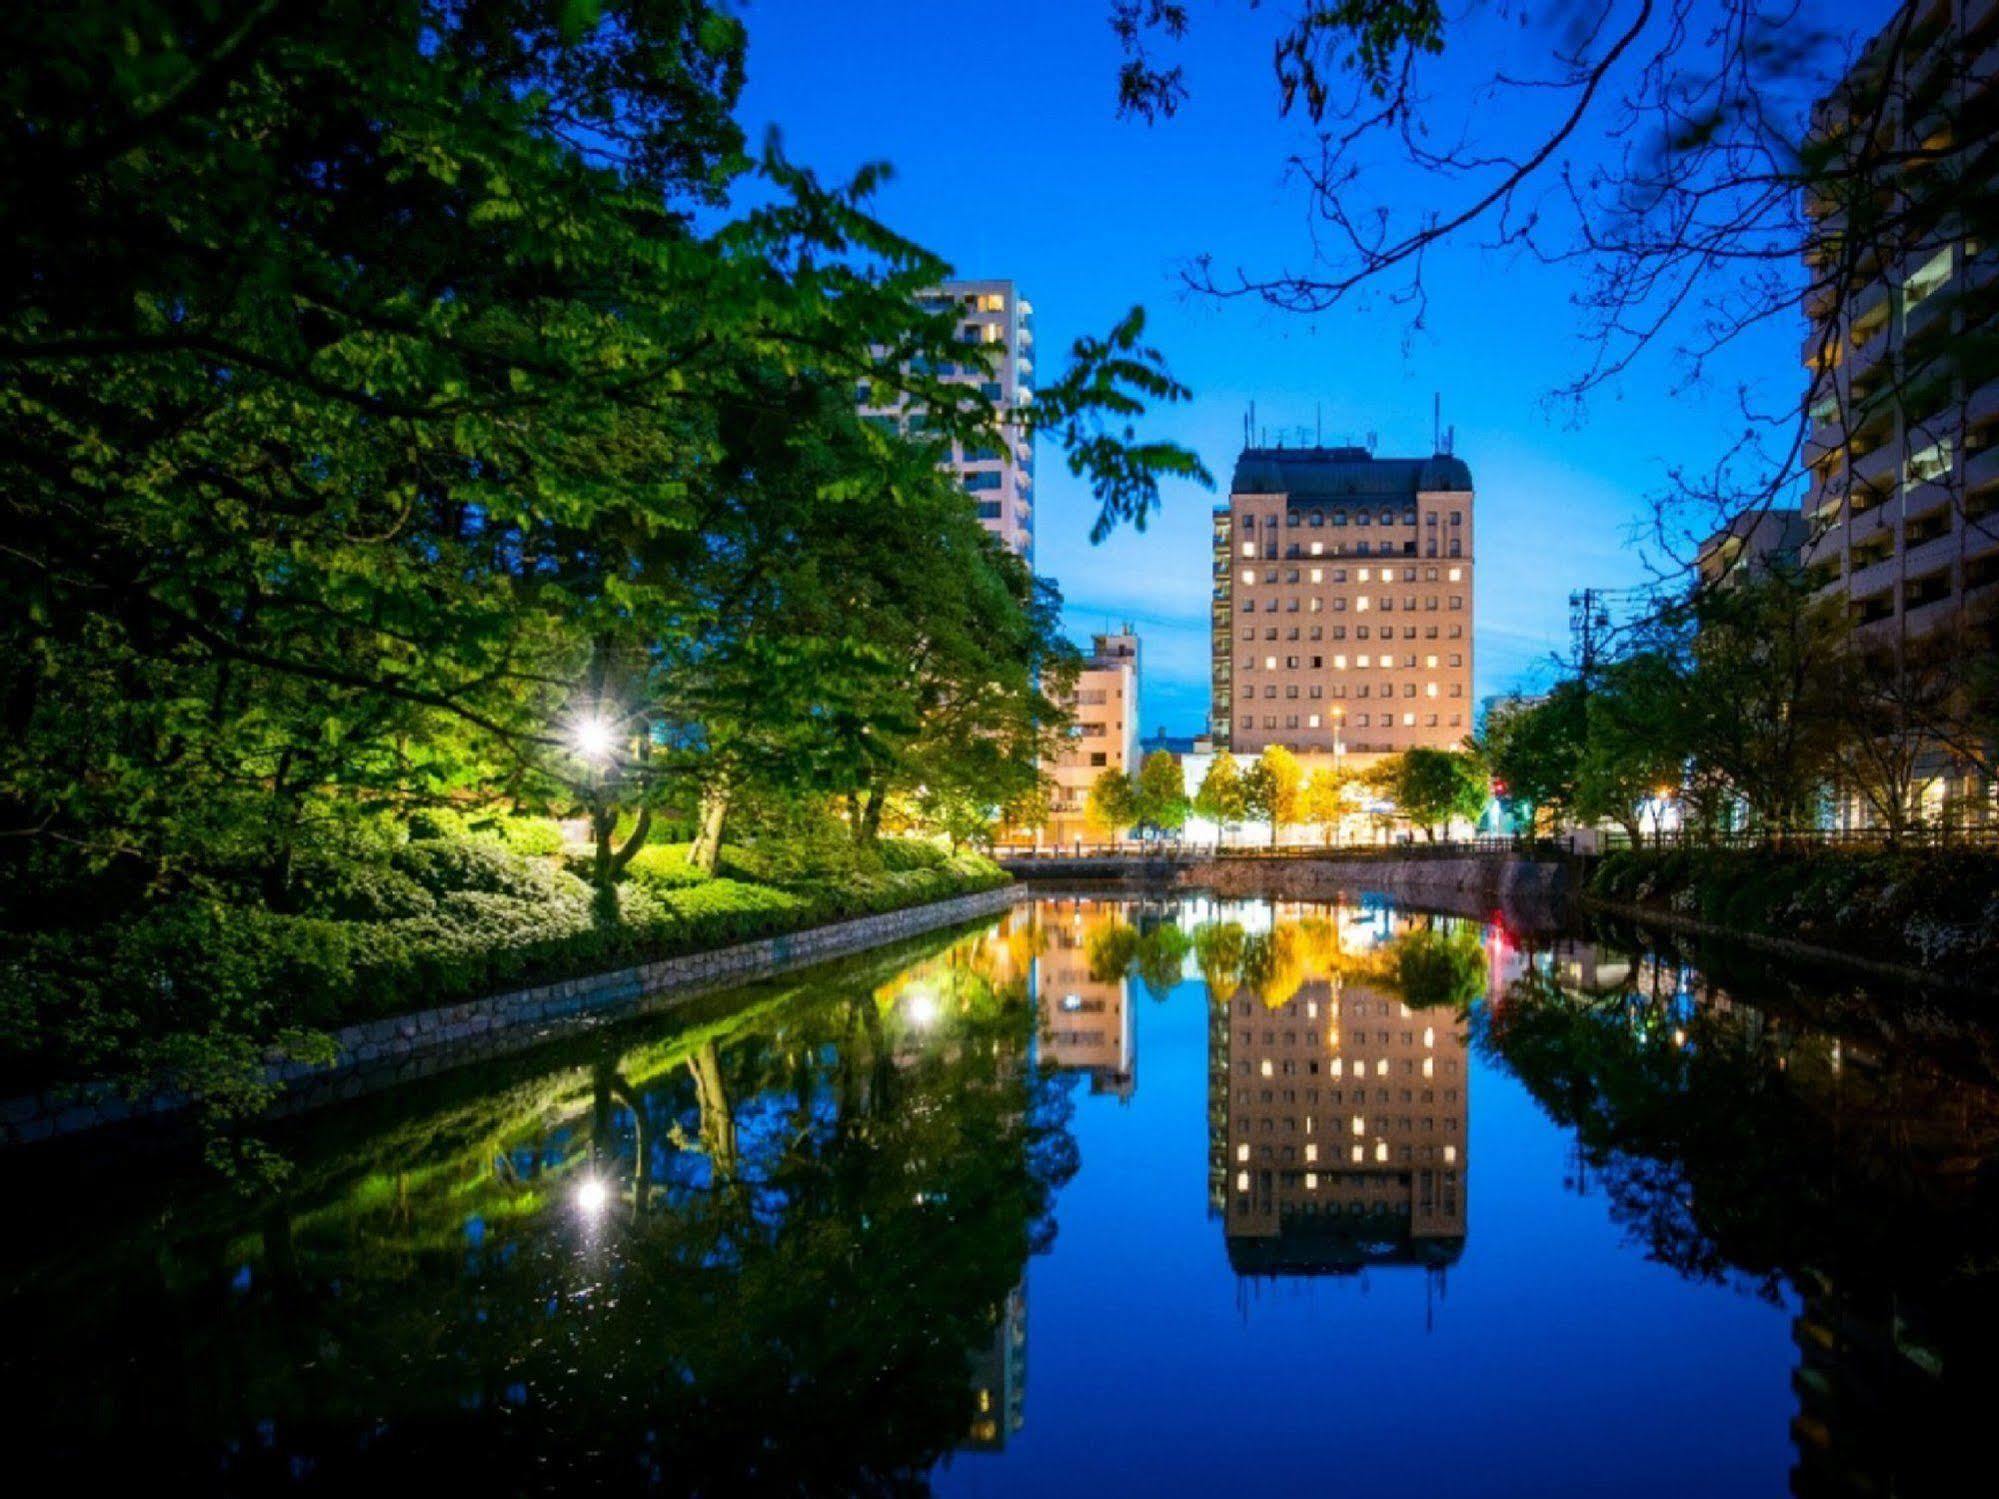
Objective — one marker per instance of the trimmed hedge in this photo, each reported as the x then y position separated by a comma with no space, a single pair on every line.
444,919
1933,910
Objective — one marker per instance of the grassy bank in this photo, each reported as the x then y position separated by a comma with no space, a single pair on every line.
200,983
1936,912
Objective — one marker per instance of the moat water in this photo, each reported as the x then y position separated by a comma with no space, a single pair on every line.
1105,1197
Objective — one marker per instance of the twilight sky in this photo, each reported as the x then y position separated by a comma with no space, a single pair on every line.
1010,160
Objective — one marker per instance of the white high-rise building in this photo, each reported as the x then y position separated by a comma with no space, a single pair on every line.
1000,479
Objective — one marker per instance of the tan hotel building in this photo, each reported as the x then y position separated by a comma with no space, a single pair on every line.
1104,736
1342,615
1342,1125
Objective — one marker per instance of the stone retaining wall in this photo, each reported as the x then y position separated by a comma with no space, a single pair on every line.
383,1053
1482,881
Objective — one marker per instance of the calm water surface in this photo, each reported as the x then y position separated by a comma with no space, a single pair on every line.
1109,1197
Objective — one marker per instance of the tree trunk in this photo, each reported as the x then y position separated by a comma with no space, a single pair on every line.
707,847
871,816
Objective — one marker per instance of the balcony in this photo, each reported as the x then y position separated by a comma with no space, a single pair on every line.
1873,579
1926,558
1878,468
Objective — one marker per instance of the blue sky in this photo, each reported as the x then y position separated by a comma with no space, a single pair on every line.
1010,161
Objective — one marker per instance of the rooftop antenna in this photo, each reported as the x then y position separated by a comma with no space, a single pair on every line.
1318,426
1372,439
1436,421
1450,439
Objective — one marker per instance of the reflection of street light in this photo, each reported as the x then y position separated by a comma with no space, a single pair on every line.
921,1008
592,1197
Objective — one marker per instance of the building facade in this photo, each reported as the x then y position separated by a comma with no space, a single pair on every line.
1340,1115
1087,1025
994,317
1342,614
1103,737
1902,508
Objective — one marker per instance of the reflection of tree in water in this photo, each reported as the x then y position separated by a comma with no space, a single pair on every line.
1424,961
760,1255
1737,1148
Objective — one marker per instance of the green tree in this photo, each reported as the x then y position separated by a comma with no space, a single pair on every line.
1761,704
1634,745
1112,803
1160,794
1271,788
1221,798
1534,754
1323,802
1431,787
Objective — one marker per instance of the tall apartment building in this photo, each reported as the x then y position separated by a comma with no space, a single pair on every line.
993,316
1903,503
1342,614
1104,736
1342,1122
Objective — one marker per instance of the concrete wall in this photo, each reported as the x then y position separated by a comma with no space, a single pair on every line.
402,1048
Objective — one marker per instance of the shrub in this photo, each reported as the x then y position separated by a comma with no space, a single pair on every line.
436,822
664,866
532,837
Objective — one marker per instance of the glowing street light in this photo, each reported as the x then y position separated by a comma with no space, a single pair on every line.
593,738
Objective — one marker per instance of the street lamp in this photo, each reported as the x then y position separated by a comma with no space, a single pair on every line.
592,737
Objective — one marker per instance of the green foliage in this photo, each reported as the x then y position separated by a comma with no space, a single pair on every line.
1271,788
1938,911
1112,803
1440,968
1160,795
1221,797
664,866
201,985
421,405
1432,787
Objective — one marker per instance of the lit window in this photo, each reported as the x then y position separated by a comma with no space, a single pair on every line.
1408,720
1318,575
1242,1181
1381,1150
1359,1124
1364,574
1266,1066
1450,1154
1318,548
1360,604
1429,689
1457,574
1311,1152
1312,722
1249,549
1242,1151
1359,1154
1249,575
1270,663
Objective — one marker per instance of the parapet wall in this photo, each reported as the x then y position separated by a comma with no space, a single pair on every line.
1473,885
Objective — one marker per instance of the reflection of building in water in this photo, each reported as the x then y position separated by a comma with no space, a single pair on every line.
999,1377
1086,1022
1344,1112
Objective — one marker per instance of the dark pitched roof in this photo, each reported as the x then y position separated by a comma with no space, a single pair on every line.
1345,474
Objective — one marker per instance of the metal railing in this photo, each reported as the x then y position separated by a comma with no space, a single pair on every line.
1399,848
1870,840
